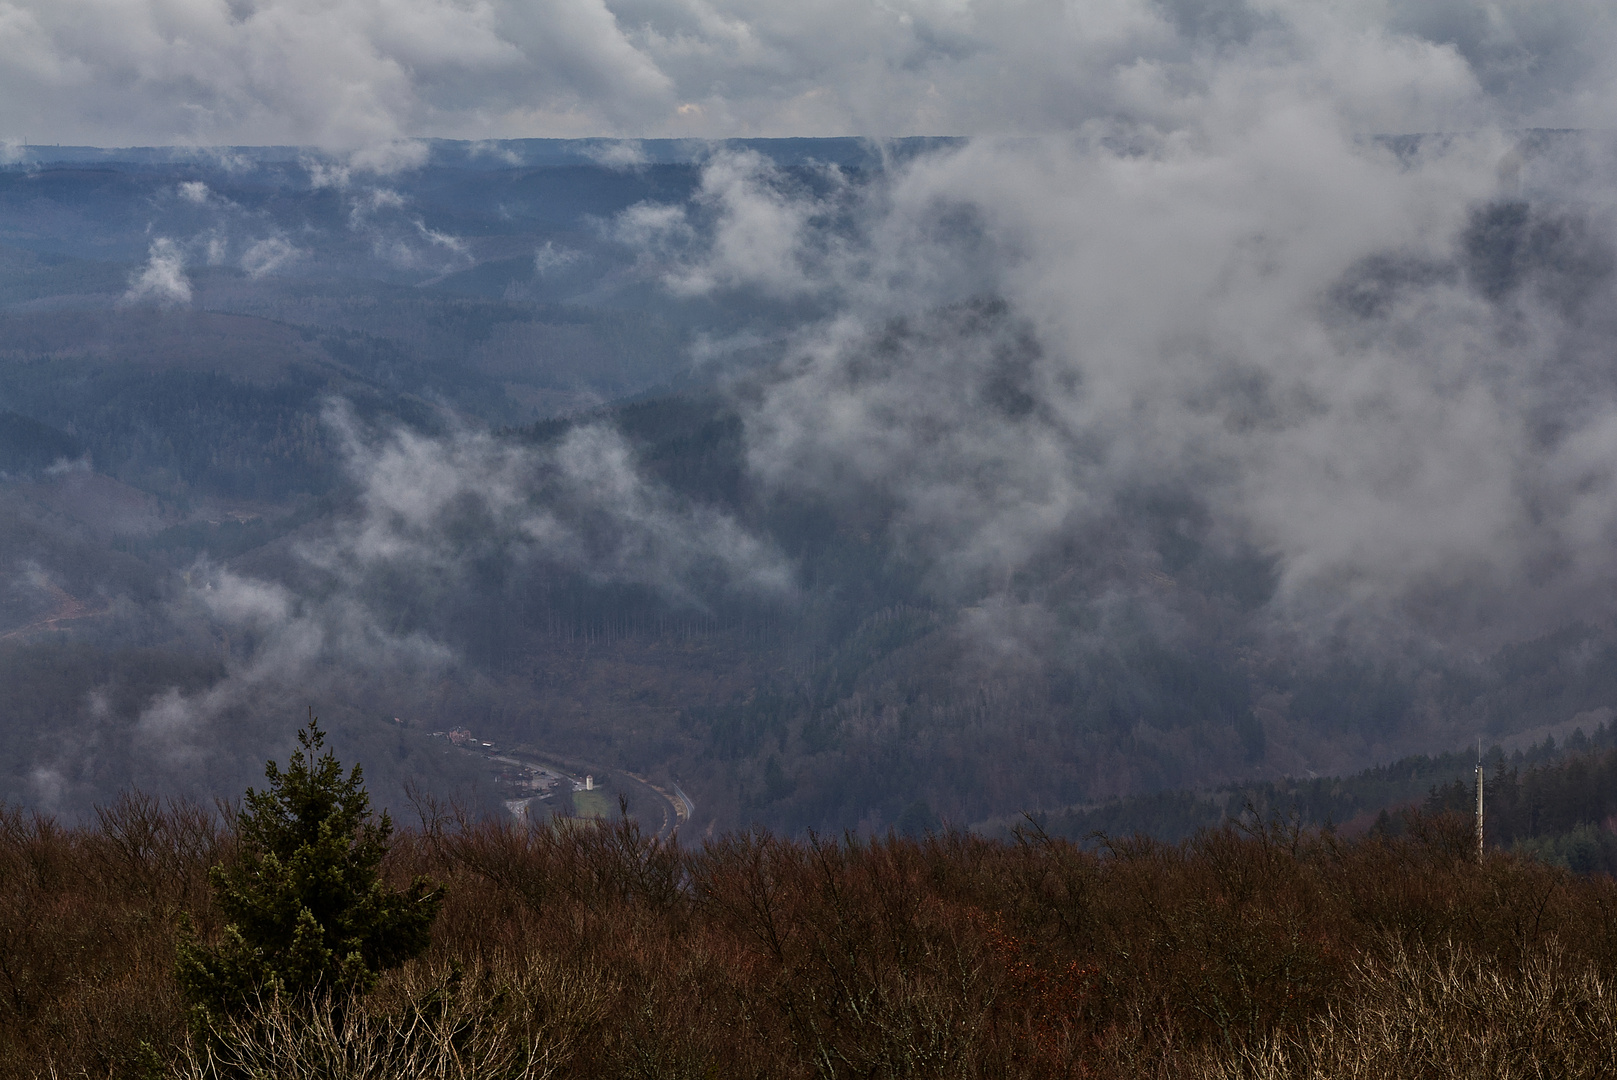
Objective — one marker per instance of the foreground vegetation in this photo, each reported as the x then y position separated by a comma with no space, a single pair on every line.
588,950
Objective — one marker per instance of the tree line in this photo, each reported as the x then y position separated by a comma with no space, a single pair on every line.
299,935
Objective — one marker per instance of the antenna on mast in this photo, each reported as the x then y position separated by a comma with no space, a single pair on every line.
1479,800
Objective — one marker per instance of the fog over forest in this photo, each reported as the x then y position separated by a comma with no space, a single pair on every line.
855,416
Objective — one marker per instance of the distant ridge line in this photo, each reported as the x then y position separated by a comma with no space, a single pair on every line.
495,154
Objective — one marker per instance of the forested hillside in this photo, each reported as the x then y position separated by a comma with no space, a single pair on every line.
492,444
1544,791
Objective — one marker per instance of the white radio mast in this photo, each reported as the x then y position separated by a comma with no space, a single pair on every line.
1479,799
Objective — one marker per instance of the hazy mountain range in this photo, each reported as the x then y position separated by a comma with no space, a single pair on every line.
833,480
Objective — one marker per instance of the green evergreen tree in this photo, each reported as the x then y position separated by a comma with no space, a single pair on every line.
306,910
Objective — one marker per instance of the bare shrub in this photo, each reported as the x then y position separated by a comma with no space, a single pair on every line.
1434,1014
511,1019
597,953
87,929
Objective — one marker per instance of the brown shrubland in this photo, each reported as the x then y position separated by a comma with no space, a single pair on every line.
590,950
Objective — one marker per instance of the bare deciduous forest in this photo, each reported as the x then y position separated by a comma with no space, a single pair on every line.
588,950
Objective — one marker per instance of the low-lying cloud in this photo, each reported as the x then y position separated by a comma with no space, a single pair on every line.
1381,364
267,256
162,280
582,505
430,514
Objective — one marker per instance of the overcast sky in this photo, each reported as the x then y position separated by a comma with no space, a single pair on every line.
351,73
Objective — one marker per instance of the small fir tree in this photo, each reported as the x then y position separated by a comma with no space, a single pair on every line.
306,910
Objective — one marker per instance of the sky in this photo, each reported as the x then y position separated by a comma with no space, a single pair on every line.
350,74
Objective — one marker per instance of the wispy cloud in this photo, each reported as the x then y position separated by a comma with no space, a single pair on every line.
436,512
582,505
268,255
162,280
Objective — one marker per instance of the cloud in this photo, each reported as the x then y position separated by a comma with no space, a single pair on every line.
373,200
396,234
581,506
434,513
1383,370
492,148
216,245
761,235
268,255
65,467
623,154
355,74
324,174
386,158
47,786
653,227
389,158
287,641
548,258
162,281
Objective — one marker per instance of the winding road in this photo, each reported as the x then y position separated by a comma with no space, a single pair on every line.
68,608
674,807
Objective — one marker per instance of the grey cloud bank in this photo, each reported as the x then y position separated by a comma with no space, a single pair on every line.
355,73
1373,366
